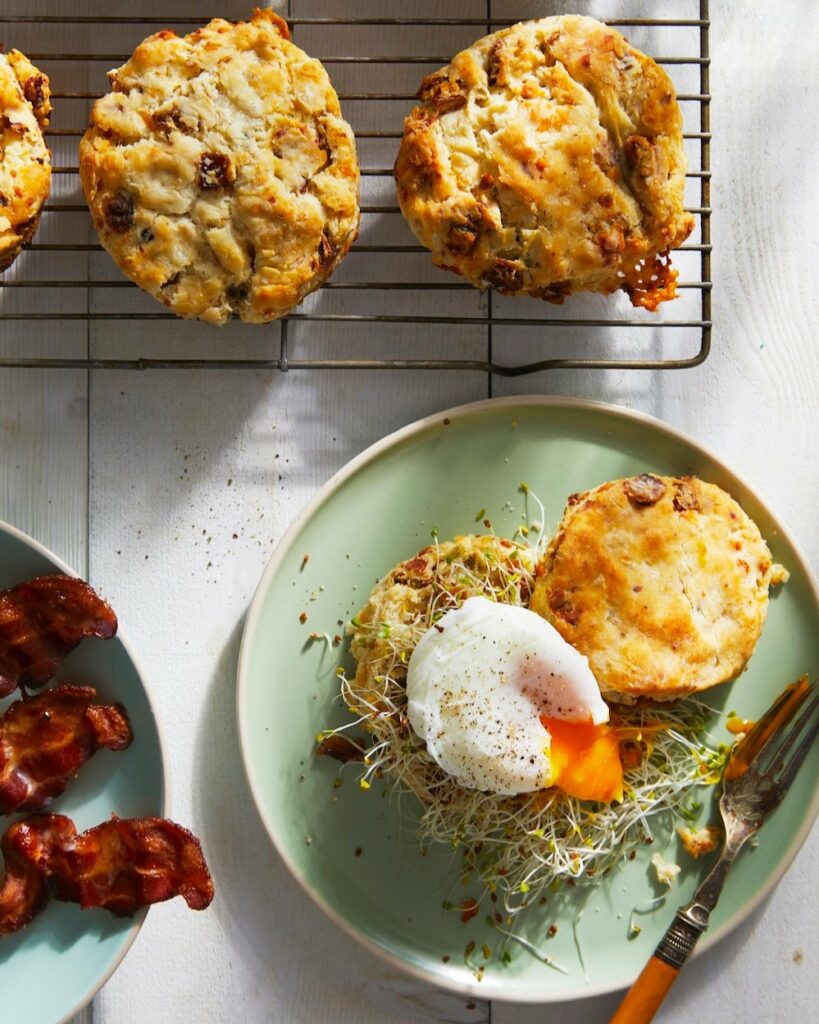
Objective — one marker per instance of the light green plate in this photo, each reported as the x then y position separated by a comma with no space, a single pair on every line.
50,970
380,509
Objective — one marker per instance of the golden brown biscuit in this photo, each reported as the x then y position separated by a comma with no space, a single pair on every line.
662,582
219,172
409,599
548,159
25,162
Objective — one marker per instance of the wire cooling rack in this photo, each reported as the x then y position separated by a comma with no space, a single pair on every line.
387,278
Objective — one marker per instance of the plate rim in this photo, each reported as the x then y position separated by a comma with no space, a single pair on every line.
41,549
349,469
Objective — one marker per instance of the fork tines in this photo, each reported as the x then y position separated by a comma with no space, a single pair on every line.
787,760
771,745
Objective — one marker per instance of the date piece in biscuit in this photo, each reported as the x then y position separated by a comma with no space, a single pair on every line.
219,172
662,582
25,163
548,159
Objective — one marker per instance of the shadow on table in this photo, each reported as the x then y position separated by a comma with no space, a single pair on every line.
286,953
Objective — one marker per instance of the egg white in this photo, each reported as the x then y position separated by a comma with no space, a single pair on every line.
478,682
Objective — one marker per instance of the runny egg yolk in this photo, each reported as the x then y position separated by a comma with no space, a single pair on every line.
585,759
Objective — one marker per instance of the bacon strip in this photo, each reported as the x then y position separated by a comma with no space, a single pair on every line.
27,852
43,620
121,865
45,740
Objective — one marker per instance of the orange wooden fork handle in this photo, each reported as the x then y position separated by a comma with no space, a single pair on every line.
645,995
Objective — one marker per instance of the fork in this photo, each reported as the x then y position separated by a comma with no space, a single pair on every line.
757,775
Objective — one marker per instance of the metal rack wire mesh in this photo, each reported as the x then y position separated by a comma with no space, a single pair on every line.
375,276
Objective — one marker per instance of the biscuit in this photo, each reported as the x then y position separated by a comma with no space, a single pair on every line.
25,162
662,582
219,172
548,159
441,576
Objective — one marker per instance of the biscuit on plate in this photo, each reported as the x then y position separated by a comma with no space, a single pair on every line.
25,162
662,582
548,159
219,171
405,598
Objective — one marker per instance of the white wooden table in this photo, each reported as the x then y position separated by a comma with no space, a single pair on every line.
169,490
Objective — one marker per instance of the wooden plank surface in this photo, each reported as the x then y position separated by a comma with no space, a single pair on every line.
194,476
44,415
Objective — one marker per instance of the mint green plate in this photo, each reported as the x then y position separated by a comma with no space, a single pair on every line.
440,472
52,968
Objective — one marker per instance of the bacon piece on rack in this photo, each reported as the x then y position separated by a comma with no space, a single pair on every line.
45,740
121,865
43,620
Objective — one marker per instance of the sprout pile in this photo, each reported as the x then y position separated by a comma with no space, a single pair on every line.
521,848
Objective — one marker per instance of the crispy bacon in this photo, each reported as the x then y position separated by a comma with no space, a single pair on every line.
28,847
644,489
443,91
43,620
45,740
341,748
650,282
504,276
121,865
685,496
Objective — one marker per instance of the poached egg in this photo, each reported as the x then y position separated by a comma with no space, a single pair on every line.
506,705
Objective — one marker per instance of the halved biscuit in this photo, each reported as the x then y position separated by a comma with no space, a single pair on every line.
440,577
662,582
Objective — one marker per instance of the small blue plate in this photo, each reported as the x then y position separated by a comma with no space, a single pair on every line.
52,968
